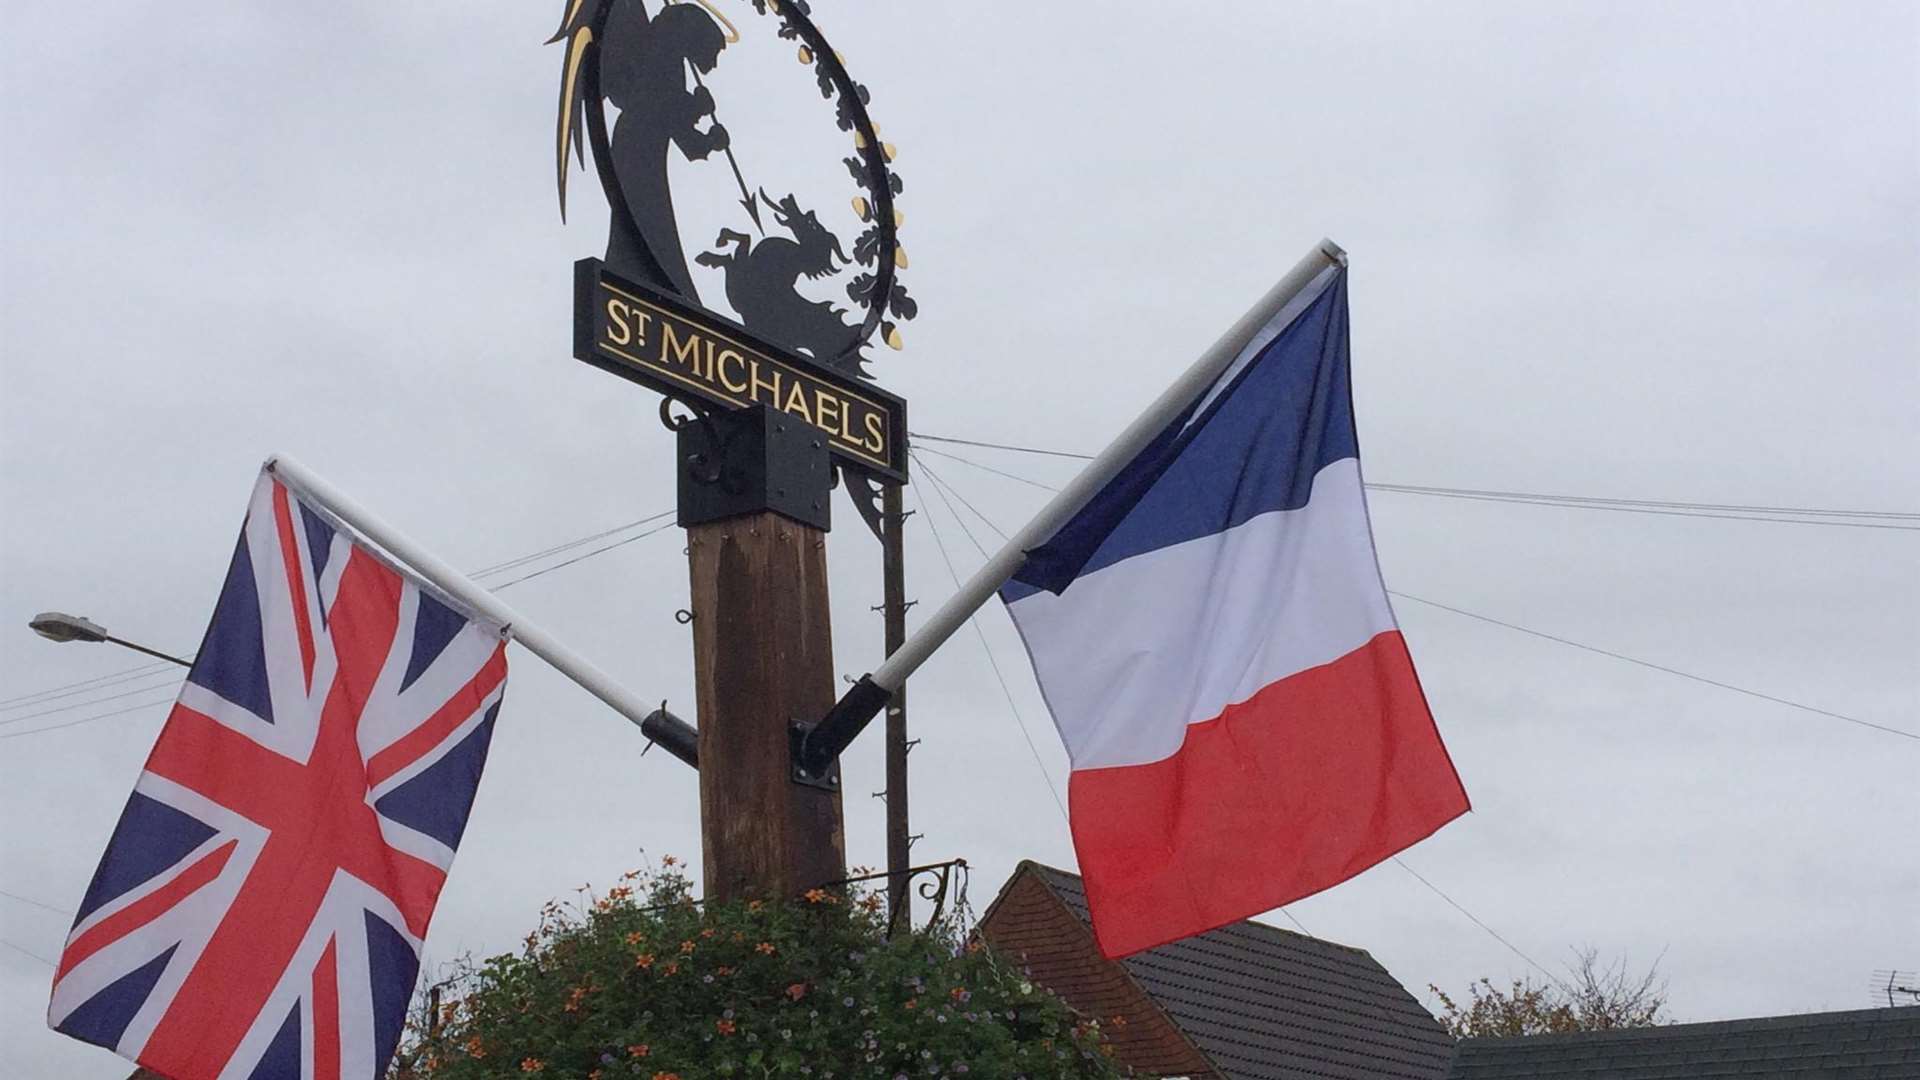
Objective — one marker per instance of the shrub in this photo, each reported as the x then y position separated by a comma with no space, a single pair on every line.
646,982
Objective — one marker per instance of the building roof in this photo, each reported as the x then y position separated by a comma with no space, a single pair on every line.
1262,1003
1873,1044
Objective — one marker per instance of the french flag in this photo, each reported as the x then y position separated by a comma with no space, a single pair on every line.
1214,640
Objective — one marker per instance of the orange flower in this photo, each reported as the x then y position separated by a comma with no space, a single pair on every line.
686,947
666,1076
644,960
913,1003
669,861
724,1027
533,1065
815,896
708,932
723,971
636,938
672,968
476,1049
755,905
765,948
639,1050
797,991
1118,1021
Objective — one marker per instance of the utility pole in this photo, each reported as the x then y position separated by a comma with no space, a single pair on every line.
899,839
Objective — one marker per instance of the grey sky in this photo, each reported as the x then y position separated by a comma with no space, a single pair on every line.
1597,249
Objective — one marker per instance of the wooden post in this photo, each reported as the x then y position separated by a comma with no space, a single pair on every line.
762,657
899,840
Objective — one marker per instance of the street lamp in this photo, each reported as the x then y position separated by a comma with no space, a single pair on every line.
60,626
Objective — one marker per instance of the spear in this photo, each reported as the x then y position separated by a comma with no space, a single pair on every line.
747,198
746,194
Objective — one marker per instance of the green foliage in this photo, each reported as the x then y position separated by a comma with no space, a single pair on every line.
647,983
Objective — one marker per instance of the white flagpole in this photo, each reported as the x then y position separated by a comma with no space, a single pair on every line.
866,698
455,584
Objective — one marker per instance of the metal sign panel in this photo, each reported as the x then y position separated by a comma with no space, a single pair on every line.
661,342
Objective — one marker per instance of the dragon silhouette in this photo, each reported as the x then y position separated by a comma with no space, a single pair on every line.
762,278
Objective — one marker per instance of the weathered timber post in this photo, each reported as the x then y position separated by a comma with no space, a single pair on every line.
763,650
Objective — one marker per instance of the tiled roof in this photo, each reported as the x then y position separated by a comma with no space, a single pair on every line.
1264,1003
1874,1044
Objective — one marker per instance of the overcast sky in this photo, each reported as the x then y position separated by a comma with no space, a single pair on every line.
1607,250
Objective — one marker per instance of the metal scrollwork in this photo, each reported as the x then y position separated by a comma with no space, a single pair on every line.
942,884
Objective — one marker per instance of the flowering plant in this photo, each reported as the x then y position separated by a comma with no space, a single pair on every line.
646,982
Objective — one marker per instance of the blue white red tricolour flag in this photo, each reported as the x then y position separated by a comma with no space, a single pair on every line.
260,909
1214,640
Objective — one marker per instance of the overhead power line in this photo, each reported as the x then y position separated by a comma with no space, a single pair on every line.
83,686
1477,921
568,545
1570,643
1826,518
35,903
1649,503
984,468
924,437
169,683
29,953
1900,521
168,700
146,671
581,558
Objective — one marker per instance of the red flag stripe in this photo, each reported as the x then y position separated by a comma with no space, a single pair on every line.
429,735
296,584
326,1015
1310,781
146,909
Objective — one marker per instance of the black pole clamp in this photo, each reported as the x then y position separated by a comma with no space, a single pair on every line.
817,747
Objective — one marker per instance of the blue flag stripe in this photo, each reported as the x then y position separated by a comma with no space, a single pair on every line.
1256,449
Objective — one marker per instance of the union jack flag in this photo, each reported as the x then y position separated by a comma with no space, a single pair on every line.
260,909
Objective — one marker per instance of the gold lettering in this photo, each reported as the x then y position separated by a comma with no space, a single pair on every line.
845,431
755,383
618,331
685,355
721,366
644,321
824,403
798,396
875,440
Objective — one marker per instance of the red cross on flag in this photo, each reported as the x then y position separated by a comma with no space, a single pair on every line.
260,908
